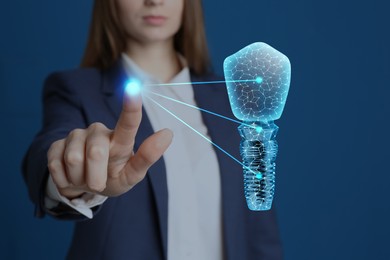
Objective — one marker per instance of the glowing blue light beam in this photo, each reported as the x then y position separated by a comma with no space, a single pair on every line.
201,109
133,87
257,80
204,137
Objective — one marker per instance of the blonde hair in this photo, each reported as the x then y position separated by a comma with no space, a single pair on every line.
107,37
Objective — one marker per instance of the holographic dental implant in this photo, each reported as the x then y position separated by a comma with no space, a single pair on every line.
258,80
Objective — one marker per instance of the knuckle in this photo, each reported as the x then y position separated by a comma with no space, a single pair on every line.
55,144
96,186
96,153
74,158
54,166
96,127
136,177
140,176
75,133
147,161
54,147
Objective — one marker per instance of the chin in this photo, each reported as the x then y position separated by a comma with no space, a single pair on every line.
158,37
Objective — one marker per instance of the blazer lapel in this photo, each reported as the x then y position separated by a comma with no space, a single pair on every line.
224,133
113,81
215,99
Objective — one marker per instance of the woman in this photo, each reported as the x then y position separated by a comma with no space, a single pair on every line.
78,168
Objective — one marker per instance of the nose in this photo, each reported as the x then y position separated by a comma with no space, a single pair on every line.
154,2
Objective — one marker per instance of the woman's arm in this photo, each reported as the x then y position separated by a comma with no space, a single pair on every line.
87,159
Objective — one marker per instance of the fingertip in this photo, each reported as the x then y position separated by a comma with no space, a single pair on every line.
165,136
132,93
132,98
168,132
133,87
132,102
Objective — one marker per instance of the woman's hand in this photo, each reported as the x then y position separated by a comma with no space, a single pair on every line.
100,160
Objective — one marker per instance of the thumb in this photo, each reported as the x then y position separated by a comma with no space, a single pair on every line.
148,153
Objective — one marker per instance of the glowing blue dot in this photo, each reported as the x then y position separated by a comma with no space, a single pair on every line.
259,129
133,87
259,79
259,176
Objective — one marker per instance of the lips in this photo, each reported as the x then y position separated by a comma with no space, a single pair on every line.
154,19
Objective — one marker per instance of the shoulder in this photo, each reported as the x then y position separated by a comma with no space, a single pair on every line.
75,76
72,81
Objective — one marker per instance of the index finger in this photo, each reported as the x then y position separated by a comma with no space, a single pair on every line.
130,117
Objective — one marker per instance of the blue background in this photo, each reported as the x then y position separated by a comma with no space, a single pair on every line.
332,173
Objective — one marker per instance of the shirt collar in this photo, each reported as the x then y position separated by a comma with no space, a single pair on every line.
133,70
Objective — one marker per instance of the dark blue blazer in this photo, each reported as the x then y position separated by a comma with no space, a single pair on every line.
134,225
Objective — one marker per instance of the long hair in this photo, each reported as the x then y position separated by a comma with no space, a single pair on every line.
107,37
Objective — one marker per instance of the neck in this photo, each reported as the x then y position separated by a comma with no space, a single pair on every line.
158,59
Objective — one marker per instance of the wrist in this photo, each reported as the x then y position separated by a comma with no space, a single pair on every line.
71,193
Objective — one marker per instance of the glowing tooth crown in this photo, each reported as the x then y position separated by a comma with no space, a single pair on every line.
258,80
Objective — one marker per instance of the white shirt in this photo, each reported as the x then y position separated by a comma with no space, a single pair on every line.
193,178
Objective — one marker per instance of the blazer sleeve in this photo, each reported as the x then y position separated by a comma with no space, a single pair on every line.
62,112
